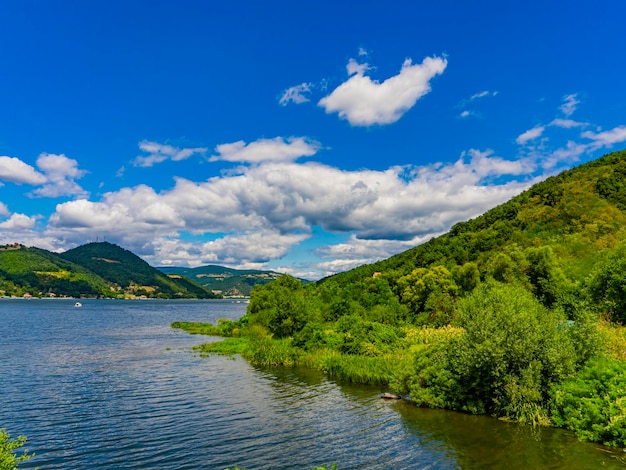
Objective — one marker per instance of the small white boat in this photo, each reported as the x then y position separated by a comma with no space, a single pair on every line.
78,304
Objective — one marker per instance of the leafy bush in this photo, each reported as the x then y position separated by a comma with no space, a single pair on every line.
512,351
280,307
593,404
9,459
608,284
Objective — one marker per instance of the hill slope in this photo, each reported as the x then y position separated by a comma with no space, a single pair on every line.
132,274
225,281
40,272
580,215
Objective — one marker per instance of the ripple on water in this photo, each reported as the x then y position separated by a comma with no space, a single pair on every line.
112,386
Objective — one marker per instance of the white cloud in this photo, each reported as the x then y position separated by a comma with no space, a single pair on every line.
263,150
570,153
158,153
365,102
530,134
260,212
256,247
483,94
296,94
16,171
354,67
567,123
61,173
605,138
4,210
18,222
570,102
466,113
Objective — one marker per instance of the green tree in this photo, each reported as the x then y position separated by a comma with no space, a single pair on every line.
280,306
9,459
513,350
416,288
607,284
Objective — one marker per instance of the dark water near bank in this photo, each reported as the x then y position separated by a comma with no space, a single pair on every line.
110,385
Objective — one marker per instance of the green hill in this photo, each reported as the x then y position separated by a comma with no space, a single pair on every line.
34,271
131,274
225,281
579,215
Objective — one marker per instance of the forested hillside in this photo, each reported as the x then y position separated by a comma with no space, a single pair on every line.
132,274
92,270
224,281
32,271
514,314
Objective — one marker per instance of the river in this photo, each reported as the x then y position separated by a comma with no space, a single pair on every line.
112,386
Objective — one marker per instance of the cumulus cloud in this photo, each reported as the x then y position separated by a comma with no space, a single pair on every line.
296,94
18,222
4,210
157,153
570,103
606,138
16,171
366,102
258,213
61,173
263,150
530,134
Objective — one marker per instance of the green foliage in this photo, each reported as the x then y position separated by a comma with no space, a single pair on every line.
94,270
357,369
613,186
280,307
228,347
225,328
122,267
9,458
593,404
608,284
268,352
430,290
512,351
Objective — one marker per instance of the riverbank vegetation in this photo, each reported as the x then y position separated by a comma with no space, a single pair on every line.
515,314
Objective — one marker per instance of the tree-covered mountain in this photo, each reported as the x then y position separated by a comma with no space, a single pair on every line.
33,271
130,274
225,281
92,270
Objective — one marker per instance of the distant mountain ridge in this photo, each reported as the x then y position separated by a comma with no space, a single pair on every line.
91,270
225,281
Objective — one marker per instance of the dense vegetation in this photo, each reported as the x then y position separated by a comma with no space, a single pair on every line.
226,281
516,314
131,273
33,271
93,270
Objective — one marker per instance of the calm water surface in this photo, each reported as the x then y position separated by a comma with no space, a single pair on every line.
110,385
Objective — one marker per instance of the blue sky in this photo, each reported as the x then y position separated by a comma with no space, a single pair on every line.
306,138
